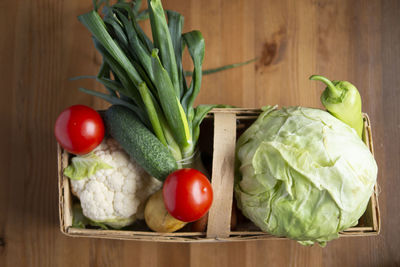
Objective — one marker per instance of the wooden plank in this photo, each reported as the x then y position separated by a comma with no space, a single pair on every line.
43,45
385,100
219,218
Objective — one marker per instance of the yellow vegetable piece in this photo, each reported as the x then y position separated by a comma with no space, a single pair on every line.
157,217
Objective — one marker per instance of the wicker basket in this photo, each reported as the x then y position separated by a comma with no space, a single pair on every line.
218,137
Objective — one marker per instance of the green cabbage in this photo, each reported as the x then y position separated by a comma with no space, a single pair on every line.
303,174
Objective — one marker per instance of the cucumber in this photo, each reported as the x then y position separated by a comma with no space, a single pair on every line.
139,142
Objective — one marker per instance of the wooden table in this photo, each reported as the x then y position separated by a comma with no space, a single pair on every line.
42,45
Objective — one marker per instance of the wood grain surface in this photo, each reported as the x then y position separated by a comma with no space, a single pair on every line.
219,220
42,45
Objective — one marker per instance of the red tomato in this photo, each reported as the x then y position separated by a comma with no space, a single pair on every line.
79,129
187,194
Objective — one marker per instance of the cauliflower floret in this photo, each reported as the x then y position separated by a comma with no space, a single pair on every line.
115,196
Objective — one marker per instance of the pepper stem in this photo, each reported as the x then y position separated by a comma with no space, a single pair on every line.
331,87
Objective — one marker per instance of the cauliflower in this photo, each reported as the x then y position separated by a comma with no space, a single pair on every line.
114,193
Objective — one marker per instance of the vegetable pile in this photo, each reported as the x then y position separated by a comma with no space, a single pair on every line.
301,173
152,124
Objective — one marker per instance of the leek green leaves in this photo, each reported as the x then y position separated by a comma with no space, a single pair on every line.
146,76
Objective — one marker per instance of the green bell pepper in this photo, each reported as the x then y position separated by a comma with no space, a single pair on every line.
343,101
